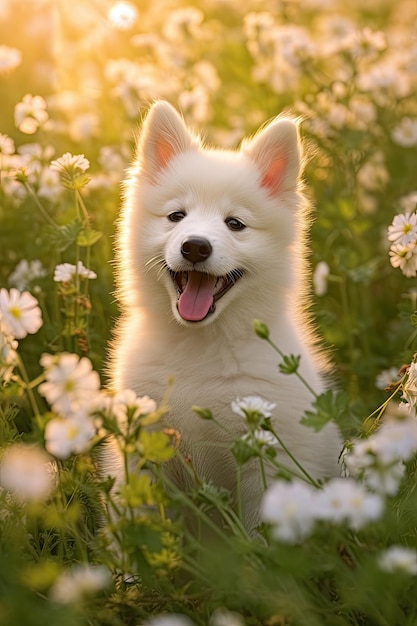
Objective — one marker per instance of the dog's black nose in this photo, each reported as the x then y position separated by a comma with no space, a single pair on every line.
196,249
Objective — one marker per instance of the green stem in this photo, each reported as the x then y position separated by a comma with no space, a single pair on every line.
294,460
239,491
378,412
200,515
263,475
27,386
80,204
297,373
45,215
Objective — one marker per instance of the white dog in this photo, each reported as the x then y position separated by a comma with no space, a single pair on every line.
208,241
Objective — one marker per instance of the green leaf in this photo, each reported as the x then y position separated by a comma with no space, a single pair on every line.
329,406
64,236
138,491
290,364
155,446
88,237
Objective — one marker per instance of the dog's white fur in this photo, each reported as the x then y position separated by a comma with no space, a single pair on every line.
218,359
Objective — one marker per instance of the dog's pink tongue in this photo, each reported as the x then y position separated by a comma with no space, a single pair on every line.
197,297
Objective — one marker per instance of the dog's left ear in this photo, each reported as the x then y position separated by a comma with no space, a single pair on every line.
164,136
276,152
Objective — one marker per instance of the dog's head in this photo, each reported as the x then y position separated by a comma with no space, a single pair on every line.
212,226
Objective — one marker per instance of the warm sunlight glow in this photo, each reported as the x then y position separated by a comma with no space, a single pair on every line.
122,15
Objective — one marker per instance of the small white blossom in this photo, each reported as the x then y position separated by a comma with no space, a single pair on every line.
8,355
78,582
404,257
409,202
396,440
403,229
122,15
71,385
410,385
25,272
385,480
320,276
30,114
169,619
70,163
65,272
290,507
10,58
28,472
6,144
378,460
405,134
249,404
345,500
49,184
69,435
223,617
127,400
386,378
261,438
398,559
182,23
20,312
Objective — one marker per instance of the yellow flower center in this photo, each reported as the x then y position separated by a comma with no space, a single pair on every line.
69,385
15,312
73,431
406,228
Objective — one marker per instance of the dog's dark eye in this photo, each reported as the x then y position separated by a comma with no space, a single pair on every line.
176,216
234,224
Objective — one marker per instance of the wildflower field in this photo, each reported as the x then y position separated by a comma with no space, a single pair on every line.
76,78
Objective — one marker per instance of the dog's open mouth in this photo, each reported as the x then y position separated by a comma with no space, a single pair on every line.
198,292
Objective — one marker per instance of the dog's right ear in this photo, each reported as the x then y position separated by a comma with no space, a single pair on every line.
164,136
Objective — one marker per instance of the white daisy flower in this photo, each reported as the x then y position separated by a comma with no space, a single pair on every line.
10,58
385,480
70,435
410,385
78,582
25,272
127,400
398,559
30,114
290,507
395,440
405,134
70,163
345,500
387,377
6,144
28,472
20,312
71,385
65,272
404,257
261,437
8,355
403,229
252,404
